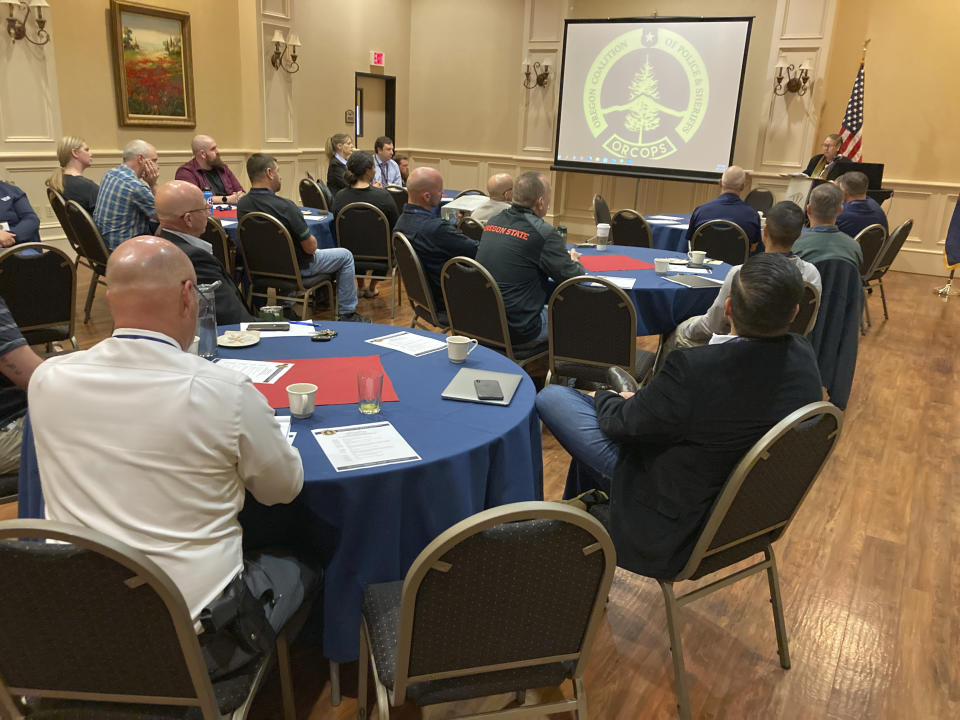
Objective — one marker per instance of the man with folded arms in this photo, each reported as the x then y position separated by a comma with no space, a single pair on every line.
125,201
183,212
784,223
500,190
209,173
665,452
160,445
859,211
433,239
728,206
265,183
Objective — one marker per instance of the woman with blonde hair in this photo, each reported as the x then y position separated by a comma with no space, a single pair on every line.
74,157
339,147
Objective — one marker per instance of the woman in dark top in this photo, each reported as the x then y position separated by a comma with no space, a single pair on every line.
359,175
339,148
74,157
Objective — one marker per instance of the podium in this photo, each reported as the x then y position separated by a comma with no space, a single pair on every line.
799,187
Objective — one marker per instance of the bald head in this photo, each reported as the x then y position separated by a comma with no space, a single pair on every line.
425,187
181,206
734,179
151,286
206,152
500,187
201,142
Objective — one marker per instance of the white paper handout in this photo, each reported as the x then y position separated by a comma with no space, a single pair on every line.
228,223
284,421
257,370
304,328
409,343
620,282
355,447
688,269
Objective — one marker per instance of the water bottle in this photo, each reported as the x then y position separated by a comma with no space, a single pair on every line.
562,230
208,197
207,320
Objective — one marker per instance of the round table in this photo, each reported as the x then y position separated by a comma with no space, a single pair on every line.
661,304
321,226
669,234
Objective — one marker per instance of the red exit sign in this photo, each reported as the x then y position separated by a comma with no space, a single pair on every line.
377,58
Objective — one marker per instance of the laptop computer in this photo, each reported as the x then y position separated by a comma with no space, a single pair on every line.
462,387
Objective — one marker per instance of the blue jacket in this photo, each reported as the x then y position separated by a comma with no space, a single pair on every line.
15,210
858,214
728,206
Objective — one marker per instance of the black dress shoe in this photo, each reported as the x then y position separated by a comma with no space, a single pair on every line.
353,317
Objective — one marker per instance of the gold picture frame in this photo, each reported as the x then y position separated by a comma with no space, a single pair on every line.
153,66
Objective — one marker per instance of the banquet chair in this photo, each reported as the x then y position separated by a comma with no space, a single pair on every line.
759,199
752,511
835,336
722,240
223,248
470,227
593,326
475,309
628,227
601,212
890,251
508,599
414,280
809,305
39,284
871,240
59,205
399,195
271,261
92,250
99,630
364,230
313,196
469,192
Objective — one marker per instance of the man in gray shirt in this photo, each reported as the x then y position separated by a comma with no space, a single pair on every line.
500,190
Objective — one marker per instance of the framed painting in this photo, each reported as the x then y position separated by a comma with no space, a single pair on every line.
153,66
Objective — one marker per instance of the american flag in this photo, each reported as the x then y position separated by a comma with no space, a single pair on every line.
850,135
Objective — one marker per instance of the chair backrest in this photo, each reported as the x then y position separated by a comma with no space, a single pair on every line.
517,587
764,491
214,234
364,230
592,322
469,192
94,620
267,248
59,206
474,304
399,195
809,305
601,212
628,227
722,240
414,280
471,228
38,281
312,196
89,241
890,251
759,199
872,240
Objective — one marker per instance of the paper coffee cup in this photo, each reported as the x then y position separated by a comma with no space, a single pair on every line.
697,257
303,397
603,230
662,265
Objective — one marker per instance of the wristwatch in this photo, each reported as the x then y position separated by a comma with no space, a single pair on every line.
226,200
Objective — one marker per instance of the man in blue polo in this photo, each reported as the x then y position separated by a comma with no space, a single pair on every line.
859,211
729,206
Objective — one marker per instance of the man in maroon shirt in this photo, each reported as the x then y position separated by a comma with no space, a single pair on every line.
209,173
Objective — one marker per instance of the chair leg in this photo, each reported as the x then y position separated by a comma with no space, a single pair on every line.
73,341
89,303
580,693
334,683
675,628
394,295
363,662
286,681
306,305
883,299
775,600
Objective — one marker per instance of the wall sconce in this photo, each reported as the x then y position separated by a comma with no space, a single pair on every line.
795,83
17,28
280,50
540,73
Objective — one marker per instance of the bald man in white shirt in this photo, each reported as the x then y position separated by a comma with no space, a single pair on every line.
158,446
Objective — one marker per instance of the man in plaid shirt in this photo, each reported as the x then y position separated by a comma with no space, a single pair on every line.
125,203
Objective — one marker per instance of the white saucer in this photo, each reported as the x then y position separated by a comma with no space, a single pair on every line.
239,338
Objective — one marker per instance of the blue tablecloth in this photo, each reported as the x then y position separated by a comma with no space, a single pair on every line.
661,304
669,237
321,229
377,521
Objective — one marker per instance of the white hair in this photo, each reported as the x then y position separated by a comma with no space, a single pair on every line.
134,148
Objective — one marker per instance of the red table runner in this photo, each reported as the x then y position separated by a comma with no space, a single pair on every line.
335,378
601,263
225,214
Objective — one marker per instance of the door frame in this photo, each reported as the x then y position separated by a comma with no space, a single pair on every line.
390,104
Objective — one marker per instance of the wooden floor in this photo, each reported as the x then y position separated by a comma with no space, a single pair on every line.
870,569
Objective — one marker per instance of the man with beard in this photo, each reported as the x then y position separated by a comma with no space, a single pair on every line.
209,173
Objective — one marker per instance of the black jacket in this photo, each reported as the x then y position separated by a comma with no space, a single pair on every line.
335,179
229,304
683,433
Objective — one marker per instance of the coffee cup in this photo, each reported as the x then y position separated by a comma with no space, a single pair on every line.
303,397
697,257
662,265
603,236
458,347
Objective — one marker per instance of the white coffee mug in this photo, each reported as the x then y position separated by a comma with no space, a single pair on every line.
458,347
662,265
697,257
303,397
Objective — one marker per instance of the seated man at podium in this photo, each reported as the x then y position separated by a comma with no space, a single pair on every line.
859,211
820,165
728,206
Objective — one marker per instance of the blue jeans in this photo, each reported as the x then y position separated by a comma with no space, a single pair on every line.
338,261
571,418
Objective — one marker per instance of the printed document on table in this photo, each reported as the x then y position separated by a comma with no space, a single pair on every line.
258,371
284,421
355,447
409,343
621,282
688,269
297,329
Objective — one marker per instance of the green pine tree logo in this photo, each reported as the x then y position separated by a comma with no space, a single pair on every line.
644,106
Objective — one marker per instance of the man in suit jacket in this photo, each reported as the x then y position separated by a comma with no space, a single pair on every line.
729,206
182,211
820,164
665,452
